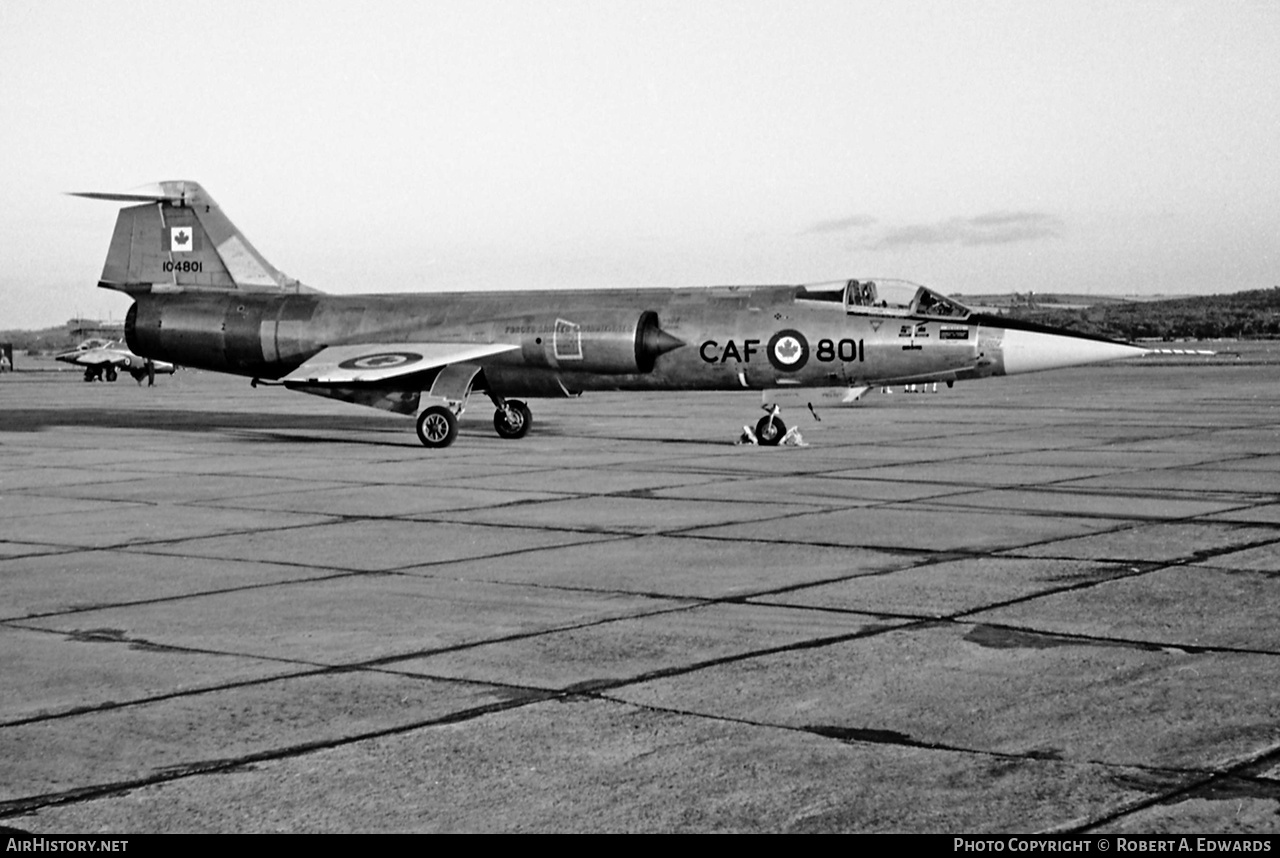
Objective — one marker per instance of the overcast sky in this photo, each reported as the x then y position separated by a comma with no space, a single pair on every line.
1103,147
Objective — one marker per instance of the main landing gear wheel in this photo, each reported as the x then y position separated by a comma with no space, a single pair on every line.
769,430
437,427
111,373
513,420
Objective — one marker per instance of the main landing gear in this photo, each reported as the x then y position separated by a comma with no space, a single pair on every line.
512,419
438,424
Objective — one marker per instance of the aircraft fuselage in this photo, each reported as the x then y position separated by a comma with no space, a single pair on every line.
729,338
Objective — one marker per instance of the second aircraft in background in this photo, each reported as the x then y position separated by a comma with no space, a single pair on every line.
102,360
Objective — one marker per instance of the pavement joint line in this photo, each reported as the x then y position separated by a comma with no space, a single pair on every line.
976,552
151,475
338,574
444,518
315,668
889,738
382,662
1111,640
311,669
1192,559
22,806
61,550
403,569
1209,779
216,503
934,504
734,599
133,544
965,618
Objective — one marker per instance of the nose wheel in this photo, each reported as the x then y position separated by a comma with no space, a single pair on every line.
770,430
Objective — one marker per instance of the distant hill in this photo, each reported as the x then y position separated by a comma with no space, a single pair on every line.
1241,315
61,338
1060,300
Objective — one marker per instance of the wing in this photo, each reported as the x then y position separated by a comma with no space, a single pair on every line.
374,362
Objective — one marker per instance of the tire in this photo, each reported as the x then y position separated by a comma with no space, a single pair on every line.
769,431
512,429
111,373
437,427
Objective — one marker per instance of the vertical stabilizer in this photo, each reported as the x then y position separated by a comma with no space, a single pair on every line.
179,238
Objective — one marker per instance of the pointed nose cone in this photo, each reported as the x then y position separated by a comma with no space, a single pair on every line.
1032,351
1025,347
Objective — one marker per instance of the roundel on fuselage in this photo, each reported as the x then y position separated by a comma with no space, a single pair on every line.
788,351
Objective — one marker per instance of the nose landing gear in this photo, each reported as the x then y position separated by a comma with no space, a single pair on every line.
770,429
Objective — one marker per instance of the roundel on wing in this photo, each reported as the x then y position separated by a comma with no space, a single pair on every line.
788,351
381,360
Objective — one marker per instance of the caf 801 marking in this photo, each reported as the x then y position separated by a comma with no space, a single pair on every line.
214,302
788,351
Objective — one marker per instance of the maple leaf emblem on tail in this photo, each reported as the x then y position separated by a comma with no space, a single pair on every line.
182,239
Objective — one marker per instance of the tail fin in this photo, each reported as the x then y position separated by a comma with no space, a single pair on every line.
179,239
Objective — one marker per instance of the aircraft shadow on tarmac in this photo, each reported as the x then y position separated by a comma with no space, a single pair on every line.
293,428
39,420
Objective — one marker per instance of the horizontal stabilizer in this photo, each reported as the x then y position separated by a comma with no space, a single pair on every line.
129,197
371,363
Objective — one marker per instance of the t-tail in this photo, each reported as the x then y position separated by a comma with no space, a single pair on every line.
178,239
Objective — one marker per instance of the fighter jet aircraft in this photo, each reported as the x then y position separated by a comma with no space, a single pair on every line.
101,359
205,297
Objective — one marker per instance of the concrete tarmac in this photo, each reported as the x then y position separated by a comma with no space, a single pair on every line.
1045,603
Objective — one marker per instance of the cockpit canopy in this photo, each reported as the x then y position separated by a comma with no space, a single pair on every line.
884,298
